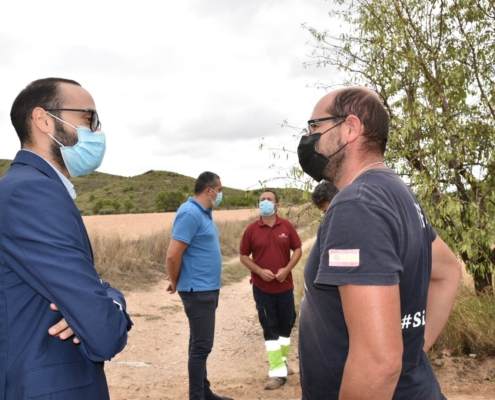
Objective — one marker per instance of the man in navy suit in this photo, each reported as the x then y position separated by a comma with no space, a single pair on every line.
59,321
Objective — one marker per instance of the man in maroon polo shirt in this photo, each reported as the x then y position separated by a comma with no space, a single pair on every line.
270,241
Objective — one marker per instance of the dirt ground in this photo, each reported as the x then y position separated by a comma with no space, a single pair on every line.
154,363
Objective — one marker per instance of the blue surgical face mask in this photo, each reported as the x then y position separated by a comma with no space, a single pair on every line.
267,208
218,200
87,154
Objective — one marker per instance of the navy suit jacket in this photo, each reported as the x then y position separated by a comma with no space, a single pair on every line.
46,257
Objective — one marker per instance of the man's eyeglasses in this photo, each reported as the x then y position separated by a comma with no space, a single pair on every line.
94,122
312,122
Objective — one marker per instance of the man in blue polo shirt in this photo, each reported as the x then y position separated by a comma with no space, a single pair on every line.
194,266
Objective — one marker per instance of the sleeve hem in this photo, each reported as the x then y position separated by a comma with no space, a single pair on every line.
361,279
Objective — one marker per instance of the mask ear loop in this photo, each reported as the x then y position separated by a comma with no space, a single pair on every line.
61,145
321,134
61,120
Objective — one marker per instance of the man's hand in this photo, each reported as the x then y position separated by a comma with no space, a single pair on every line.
171,287
62,328
173,263
282,274
266,275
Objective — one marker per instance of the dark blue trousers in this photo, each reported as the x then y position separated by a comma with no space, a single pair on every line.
200,308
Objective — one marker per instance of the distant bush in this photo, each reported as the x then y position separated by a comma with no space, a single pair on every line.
240,201
169,201
91,197
107,211
129,205
97,206
116,204
102,205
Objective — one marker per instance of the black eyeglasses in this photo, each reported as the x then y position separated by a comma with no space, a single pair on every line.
94,122
311,122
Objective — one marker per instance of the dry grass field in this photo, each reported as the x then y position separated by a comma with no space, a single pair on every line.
132,226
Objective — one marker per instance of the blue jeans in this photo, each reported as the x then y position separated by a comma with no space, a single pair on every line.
200,308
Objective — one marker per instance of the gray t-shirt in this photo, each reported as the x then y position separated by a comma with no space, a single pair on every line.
374,233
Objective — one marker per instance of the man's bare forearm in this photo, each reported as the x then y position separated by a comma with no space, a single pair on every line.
441,297
250,264
296,256
173,271
444,281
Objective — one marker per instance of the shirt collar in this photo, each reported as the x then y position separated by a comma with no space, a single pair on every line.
68,185
261,223
205,210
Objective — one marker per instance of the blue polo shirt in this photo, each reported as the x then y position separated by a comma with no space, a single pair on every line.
201,267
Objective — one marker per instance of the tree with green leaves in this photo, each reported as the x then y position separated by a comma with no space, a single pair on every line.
432,62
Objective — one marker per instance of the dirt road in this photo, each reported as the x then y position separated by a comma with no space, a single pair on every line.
154,363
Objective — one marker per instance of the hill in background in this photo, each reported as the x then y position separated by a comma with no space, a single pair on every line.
153,191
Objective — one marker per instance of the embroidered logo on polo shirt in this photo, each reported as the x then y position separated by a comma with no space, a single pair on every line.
283,236
343,258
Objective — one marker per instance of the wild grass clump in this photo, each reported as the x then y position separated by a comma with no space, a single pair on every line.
233,272
130,264
471,325
230,235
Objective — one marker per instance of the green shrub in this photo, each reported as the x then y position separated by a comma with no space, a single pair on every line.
116,204
128,205
107,211
97,206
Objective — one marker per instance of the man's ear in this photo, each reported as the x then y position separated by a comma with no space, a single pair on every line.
41,120
354,126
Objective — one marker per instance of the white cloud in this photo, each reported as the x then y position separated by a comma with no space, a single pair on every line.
181,86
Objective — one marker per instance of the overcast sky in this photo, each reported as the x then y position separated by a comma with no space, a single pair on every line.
183,86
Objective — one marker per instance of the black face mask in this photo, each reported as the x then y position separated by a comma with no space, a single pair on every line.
312,162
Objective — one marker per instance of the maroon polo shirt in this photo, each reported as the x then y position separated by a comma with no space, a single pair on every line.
270,247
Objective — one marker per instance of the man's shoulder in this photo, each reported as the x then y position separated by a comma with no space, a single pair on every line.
20,177
381,188
191,214
191,205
